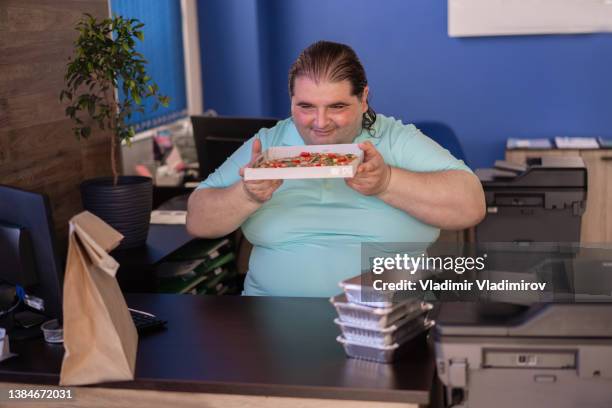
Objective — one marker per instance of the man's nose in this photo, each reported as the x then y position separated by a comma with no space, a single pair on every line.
321,120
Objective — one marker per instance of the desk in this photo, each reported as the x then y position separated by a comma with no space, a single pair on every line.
134,274
245,346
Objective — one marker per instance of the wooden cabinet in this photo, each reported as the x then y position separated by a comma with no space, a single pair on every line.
597,219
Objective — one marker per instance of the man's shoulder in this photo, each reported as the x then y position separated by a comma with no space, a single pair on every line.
278,135
390,127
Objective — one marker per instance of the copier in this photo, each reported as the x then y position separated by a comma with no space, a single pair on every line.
532,349
542,201
544,355
534,212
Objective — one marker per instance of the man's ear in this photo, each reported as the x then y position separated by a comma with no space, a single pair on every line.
364,99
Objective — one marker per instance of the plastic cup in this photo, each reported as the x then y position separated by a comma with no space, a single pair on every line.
53,331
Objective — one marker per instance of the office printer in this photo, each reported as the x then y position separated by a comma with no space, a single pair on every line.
544,355
542,201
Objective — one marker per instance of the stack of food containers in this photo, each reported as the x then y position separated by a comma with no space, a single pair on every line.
374,325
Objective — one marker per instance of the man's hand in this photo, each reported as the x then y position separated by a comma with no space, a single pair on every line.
258,191
373,174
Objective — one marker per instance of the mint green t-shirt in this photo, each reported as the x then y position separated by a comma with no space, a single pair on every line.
307,237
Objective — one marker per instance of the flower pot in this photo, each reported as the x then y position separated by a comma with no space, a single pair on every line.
126,207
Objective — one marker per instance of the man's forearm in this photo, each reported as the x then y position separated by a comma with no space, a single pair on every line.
214,212
450,199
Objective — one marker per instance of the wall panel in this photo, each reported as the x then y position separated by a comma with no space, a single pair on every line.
38,151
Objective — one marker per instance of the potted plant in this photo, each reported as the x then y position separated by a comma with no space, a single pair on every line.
105,61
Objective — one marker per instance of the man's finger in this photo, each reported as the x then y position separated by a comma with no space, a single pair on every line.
369,150
256,148
365,167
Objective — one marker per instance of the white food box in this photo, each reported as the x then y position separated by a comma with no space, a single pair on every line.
281,152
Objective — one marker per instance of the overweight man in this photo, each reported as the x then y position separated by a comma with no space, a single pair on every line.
307,234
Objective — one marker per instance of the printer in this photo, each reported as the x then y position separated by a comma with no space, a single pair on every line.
544,355
534,348
534,212
542,201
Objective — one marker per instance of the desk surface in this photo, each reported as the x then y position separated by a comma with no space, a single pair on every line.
161,241
246,345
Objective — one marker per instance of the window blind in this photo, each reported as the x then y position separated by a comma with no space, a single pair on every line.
163,49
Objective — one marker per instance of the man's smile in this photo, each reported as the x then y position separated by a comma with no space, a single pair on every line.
322,132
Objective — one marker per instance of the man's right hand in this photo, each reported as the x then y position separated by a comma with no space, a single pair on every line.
258,191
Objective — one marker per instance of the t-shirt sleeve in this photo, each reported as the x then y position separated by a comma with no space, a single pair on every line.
228,173
414,151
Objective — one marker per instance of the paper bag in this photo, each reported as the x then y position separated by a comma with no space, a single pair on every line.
100,338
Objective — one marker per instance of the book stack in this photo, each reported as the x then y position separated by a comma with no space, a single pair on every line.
203,267
375,326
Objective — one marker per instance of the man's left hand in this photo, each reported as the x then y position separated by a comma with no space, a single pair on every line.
373,174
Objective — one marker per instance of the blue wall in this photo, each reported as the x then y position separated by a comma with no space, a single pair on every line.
231,68
487,89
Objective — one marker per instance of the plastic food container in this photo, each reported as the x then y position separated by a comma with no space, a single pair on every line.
395,333
53,331
376,317
382,354
359,289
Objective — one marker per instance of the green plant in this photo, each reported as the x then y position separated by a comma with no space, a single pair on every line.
105,60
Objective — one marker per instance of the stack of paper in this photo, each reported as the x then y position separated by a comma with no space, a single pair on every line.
576,142
168,217
513,143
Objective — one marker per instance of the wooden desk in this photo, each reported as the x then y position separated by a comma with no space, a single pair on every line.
244,348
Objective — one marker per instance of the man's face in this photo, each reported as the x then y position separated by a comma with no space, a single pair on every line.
326,112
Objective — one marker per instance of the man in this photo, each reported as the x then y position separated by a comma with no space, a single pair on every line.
306,234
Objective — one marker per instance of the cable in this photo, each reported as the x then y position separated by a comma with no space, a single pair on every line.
9,310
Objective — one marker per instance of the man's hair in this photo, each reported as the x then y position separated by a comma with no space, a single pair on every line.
334,62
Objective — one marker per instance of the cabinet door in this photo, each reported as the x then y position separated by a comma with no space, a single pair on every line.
597,219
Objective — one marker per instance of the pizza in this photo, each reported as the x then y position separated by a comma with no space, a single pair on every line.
309,159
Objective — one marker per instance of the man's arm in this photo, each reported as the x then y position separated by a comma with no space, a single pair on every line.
450,199
215,212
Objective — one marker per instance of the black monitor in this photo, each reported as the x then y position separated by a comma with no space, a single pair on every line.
217,137
26,235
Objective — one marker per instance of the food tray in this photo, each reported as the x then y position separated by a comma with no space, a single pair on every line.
358,292
395,333
375,317
384,354
346,171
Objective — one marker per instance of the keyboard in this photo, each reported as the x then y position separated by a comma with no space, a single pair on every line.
146,321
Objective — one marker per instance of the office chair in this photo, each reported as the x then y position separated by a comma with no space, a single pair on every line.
444,136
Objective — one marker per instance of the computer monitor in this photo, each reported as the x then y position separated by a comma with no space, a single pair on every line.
30,213
216,138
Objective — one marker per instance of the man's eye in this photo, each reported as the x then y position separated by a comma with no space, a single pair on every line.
306,106
337,107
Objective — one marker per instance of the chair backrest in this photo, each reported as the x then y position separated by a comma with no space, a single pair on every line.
217,137
444,136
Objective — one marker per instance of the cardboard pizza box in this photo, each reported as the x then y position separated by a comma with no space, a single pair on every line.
345,171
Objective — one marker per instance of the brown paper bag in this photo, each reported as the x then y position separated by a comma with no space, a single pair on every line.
100,339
